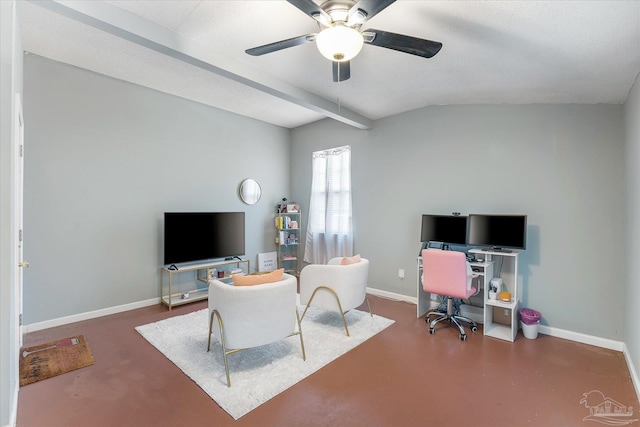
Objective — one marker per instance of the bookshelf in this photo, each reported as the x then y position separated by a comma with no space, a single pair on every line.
288,226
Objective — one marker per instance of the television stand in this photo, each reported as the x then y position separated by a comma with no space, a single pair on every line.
172,296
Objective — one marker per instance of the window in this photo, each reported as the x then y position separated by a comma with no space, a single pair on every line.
329,229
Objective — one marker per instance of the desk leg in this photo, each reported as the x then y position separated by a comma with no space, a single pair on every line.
424,298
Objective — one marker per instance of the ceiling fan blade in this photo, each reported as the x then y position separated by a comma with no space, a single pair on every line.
402,43
313,10
341,71
370,7
282,44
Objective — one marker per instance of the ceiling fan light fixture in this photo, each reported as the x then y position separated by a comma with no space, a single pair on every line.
358,17
339,43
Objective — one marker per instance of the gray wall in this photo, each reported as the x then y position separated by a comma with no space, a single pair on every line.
104,160
563,166
632,155
11,84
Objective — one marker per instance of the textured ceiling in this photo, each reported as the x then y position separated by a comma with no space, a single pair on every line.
494,52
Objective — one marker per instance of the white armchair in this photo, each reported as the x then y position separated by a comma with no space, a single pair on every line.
335,287
251,316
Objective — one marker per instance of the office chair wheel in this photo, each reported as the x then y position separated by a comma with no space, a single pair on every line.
426,319
463,337
432,331
474,329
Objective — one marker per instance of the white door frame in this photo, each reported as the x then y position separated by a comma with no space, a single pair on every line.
18,167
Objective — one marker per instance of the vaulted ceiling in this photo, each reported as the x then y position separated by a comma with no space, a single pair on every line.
494,52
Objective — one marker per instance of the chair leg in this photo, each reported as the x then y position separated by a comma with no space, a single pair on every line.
210,330
344,322
434,322
304,355
453,318
473,326
427,318
225,353
369,304
460,327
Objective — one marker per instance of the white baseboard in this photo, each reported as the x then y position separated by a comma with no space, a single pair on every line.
632,370
582,338
88,315
547,330
392,296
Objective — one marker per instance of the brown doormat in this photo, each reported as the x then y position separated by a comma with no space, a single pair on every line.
53,358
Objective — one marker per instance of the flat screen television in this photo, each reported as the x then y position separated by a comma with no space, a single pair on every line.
197,236
444,229
497,232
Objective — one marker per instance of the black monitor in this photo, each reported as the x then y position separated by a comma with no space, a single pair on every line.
444,228
496,232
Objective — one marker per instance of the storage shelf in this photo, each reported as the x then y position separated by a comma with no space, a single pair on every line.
201,272
194,295
498,331
502,304
285,233
509,275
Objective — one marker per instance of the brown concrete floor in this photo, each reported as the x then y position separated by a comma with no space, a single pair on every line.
401,377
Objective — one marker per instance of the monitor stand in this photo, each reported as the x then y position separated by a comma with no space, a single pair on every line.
498,249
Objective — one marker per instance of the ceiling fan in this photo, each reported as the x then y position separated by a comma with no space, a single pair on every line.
341,36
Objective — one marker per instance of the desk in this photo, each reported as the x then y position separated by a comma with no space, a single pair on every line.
507,269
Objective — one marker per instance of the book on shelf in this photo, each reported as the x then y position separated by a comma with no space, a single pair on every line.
285,223
287,238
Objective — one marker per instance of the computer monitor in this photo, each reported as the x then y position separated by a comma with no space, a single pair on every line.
497,232
447,229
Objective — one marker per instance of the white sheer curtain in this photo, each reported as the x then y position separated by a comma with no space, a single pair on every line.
329,228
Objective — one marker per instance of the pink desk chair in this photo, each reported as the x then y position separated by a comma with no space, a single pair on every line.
445,273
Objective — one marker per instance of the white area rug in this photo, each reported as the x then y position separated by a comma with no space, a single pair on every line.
257,374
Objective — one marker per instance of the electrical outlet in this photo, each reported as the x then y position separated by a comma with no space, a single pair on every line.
401,273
